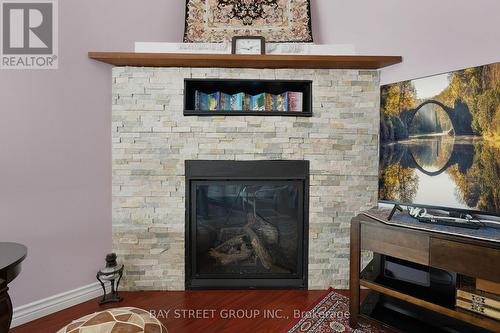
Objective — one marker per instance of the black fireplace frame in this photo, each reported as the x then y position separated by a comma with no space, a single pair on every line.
224,170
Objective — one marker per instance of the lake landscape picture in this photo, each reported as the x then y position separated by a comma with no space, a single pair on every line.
440,140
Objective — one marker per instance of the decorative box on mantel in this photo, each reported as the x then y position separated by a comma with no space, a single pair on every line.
152,139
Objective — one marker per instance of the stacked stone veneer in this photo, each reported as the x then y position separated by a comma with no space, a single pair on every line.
152,139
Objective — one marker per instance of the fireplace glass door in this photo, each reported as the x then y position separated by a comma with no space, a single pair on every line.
248,228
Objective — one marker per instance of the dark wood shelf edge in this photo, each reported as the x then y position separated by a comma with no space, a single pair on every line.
471,318
247,113
245,61
379,324
366,309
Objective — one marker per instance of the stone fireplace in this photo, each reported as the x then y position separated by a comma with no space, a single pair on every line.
153,208
246,224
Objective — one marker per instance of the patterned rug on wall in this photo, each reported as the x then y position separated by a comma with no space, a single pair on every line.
216,21
329,314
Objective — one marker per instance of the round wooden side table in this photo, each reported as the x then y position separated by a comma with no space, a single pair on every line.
11,256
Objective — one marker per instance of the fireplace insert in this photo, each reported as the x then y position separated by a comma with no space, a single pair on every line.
246,224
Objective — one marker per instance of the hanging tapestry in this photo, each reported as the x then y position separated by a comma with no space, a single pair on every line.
215,21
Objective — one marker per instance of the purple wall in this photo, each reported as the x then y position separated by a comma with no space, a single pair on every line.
432,36
55,170
55,134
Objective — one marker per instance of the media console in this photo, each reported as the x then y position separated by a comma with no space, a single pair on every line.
410,306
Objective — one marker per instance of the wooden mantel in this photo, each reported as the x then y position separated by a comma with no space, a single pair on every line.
244,61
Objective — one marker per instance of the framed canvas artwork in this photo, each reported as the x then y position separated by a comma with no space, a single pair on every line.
216,21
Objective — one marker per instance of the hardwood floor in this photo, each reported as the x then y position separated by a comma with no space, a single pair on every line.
217,305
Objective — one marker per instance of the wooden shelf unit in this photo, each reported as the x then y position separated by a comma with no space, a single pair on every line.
244,61
459,314
451,253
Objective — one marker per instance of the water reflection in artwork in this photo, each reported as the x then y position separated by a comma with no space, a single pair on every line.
440,140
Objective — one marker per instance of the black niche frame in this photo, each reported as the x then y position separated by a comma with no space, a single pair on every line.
252,87
203,170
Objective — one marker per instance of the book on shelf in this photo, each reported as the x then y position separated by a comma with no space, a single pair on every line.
295,101
237,102
282,102
225,102
470,298
270,102
201,101
478,308
479,297
214,101
488,286
247,102
258,102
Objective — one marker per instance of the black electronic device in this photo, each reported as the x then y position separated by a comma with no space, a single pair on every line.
435,148
396,207
453,222
454,219
420,279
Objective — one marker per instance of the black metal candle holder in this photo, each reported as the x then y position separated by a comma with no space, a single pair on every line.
113,274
